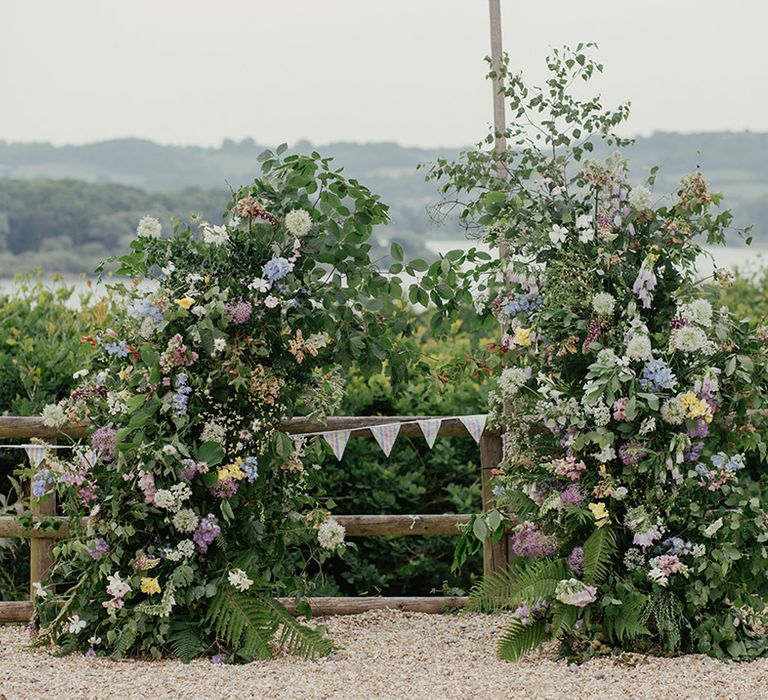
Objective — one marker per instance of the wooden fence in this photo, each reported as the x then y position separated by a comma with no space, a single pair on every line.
495,556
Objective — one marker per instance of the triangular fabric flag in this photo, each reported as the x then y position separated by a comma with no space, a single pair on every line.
36,453
386,435
429,429
475,425
337,439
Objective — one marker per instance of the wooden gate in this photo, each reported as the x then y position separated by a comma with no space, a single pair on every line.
495,556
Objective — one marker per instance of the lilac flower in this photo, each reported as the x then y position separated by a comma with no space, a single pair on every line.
239,311
207,531
103,441
694,451
529,541
657,376
276,269
575,560
217,659
99,549
701,430
226,488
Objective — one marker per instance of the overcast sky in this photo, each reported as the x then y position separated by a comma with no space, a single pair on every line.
197,71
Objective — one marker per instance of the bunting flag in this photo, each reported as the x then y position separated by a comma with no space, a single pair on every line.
36,453
386,435
475,425
337,439
429,429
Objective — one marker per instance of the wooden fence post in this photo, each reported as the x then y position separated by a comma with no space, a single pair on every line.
495,555
40,548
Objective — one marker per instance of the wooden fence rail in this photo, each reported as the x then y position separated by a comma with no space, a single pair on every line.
495,557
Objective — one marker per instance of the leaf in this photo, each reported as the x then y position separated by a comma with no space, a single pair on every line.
185,641
211,453
480,529
599,549
396,251
519,639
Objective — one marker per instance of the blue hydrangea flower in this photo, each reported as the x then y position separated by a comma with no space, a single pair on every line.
180,398
276,269
523,303
658,376
118,349
144,308
40,482
250,466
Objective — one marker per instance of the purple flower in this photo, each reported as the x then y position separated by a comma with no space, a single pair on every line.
103,441
207,531
226,488
701,430
99,549
694,451
575,560
632,452
645,284
572,496
239,311
529,541
217,659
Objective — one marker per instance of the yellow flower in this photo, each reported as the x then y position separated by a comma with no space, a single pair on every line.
600,513
695,407
184,302
150,586
232,471
124,373
523,337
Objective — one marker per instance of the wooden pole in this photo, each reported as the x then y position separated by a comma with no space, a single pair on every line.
40,548
495,554
499,116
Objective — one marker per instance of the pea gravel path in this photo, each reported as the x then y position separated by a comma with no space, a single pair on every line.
386,654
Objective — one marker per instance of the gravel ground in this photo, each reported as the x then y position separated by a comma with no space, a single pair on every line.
385,654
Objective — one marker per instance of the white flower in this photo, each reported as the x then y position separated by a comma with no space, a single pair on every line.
511,379
80,373
239,579
586,235
698,311
672,411
639,348
215,235
688,339
219,345
164,499
271,302
647,426
604,304
605,455
170,450
186,548
557,234
260,285
584,221
713,528
149,227
298,222
116,403
330,534
94,641
620,493
213,432
53,416
640,198
234,222
75,625
698,551
199,311
186,520
319,340
117,588
169,269
40,592
480,302
657,576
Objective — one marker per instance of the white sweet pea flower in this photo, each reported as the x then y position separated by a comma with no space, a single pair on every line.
239,579
586,235
558,234
75,625
40,592
584,221
260,285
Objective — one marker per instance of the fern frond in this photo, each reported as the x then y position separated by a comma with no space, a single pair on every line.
243,623
297,638
627,621
125,639
519,639
564,617
493,592
185,641
599,549
539,580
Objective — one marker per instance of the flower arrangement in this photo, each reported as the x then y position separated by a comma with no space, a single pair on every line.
633,409
188,503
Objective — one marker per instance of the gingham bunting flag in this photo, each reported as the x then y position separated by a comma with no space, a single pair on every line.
429,429
386,435
35,454
475,425
338,441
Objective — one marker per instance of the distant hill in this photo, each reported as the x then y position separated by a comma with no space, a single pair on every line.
64,207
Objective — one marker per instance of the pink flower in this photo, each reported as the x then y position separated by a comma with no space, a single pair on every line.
271,302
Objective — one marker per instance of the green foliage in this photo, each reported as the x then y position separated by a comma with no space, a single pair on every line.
185,640
664,611
518,639
599,551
